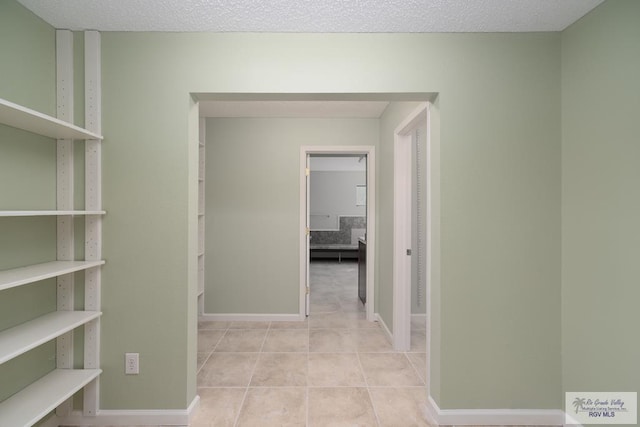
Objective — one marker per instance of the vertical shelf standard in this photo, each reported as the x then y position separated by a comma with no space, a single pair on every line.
201,210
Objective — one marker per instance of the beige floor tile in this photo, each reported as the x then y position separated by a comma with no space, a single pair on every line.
227,370
324,307
286,340
399,406
335,369
202,357
266,407
207,339
327,320
249,340
419,362
418,340
219,407
301,324
337,320
389,369
373,340
332,340
351,306
212,324
337,407
280,370
249,325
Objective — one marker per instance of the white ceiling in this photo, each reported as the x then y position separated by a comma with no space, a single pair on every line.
317,16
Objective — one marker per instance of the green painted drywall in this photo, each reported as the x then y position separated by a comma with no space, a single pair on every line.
500,141
27,181
601,205
27,67
253,207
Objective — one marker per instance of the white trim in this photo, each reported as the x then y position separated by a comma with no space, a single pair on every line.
570,421
482,417
370,152
65,284
93,224
384,326
402,226
109,417
253,317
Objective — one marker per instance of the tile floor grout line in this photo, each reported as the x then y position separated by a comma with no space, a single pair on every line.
253,371
413,365
366,383
211,352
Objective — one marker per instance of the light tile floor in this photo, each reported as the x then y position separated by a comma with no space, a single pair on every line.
333,369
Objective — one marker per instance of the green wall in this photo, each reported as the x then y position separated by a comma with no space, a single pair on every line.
27,181
253,207
27,68
499,104
600,200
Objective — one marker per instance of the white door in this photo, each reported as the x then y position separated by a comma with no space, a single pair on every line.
403,249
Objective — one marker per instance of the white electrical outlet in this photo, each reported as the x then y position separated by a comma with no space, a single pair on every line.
132,363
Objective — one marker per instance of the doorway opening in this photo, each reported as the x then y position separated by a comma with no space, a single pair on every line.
338,229
218,309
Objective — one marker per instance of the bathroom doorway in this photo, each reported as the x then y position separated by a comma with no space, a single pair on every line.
337,217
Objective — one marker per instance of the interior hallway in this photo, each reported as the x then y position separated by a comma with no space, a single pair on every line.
335,368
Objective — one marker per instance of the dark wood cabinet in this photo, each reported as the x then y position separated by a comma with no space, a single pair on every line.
362,270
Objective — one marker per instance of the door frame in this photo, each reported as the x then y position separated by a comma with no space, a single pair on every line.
369,152
402,185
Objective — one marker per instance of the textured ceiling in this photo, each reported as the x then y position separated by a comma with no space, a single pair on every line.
320,16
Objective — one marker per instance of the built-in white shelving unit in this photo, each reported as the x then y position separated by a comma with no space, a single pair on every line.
26,336
50,213
34,273
201,208
31,404
55,390
24,118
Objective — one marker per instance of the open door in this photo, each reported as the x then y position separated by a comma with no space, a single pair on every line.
306,152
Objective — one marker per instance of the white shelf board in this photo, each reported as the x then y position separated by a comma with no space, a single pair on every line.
24,118
33,273
31,404
26,336
49,213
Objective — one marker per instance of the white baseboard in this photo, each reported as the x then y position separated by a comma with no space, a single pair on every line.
244,317
570,421
151,417
385,328
494,417
420,318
